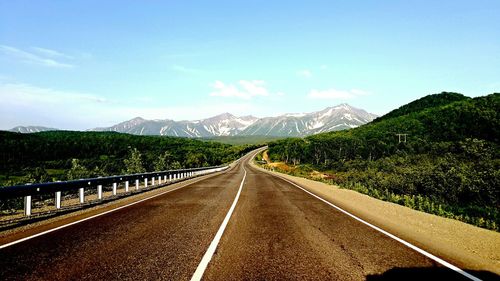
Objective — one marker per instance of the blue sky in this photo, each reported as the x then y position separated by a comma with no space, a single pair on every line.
83,64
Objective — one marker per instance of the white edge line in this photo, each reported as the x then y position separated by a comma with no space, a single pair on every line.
94,216
200,270
408,244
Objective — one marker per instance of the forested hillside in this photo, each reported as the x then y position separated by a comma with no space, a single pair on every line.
424,103
60,155
449,164
242,140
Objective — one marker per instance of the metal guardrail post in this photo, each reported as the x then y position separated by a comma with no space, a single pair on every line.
99,192
58,200
81,192
56,188
27,205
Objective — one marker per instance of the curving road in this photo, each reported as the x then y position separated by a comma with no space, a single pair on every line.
276,232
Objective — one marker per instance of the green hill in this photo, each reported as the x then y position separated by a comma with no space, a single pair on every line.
427,129
242,140
426,102
49,155
449,164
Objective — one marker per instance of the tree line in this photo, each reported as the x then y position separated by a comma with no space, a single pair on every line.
451,158
62,155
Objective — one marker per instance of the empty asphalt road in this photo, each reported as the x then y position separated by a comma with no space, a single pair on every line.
276,232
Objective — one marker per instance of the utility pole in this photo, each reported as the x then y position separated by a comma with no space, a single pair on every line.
404,137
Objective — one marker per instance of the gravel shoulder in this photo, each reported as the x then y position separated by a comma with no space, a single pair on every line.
464,245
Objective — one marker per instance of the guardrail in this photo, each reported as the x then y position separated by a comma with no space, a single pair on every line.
163,177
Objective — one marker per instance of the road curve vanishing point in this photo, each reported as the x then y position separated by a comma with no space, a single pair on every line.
239,224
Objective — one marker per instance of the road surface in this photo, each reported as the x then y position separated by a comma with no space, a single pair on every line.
275,232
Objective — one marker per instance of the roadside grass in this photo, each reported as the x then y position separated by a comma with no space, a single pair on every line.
242,140
57,173
479,216
8,179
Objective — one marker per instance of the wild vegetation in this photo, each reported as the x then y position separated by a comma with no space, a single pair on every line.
242,140
61,155
449,164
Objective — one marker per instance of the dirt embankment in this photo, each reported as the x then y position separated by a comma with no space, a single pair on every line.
461,244
265,156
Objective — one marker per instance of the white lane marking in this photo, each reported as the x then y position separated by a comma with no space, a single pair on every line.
408,244
200,270
94,216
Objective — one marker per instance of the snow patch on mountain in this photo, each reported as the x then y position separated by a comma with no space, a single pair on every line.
339,117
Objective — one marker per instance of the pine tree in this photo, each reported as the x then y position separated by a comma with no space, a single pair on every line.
133,164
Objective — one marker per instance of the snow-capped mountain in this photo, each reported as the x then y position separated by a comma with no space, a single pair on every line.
329,119
335,118
227,124
224,124
31,129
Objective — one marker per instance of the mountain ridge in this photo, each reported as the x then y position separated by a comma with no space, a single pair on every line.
334,118
31,129
342,116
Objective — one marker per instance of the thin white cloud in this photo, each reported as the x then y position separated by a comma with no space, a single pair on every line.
254,88
51,53
32,58
16,93
246,89
223,90
82,55
324,67
336,94
305,73
24,104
